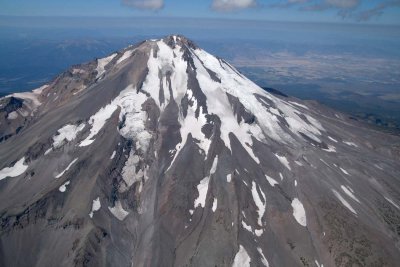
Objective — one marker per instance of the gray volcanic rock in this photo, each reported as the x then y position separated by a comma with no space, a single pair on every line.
164,155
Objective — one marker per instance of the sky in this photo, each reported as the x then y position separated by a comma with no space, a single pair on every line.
353,11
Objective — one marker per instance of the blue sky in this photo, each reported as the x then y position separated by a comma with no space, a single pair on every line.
370,11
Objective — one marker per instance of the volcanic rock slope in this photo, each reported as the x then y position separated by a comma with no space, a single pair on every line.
164,155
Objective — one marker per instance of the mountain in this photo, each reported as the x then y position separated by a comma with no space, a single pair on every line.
164,155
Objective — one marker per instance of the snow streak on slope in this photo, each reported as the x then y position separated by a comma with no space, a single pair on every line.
344,202
392,202
263,259
257,200
66,169
349,192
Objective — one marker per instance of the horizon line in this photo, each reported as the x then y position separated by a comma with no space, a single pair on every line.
202,18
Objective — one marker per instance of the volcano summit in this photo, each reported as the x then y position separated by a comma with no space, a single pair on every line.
164,155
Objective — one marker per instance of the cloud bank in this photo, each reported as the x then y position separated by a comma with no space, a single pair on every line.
231,5
354,9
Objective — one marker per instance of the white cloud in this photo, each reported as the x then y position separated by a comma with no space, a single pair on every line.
230,5
144,4
343,4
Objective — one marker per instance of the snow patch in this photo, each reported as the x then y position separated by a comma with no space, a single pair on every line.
31,99
214,165
63,188
12,115
17,169
97,121
284,161
126,55
96,205
298,163
102,63
118,211
202,188
258,232
271,180
66,134
330,149
241,259
247,227
214,206
299,212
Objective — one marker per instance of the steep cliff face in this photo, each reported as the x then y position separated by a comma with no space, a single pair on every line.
164,155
